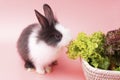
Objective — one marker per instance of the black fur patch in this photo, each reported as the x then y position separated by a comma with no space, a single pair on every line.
50,35
22,43
29,64
48,32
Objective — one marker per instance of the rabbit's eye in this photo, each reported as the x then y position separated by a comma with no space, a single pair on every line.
58,37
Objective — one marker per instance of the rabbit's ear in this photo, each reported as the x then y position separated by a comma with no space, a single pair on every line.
49,14
42,20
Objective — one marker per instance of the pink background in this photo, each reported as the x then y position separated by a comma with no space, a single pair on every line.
78,15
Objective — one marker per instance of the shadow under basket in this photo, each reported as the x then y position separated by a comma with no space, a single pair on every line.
92,73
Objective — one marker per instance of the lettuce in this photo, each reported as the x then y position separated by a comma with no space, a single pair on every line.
90,48
112,48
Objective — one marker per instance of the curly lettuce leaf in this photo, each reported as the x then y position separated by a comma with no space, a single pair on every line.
90,48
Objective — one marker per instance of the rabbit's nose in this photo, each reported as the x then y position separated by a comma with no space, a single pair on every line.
58,37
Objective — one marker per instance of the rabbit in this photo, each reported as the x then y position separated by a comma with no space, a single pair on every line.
39,43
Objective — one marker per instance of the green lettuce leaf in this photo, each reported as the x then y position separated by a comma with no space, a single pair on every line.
90,48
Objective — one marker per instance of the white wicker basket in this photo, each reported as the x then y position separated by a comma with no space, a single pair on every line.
92,73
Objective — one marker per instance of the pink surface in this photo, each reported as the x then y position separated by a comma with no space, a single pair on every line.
78,15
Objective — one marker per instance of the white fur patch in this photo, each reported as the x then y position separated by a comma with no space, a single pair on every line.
40,53
65,33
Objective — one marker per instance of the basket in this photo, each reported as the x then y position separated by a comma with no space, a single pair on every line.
92,73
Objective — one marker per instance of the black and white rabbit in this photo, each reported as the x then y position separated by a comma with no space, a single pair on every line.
38,44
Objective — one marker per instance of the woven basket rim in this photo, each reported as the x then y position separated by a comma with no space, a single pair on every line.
97,70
